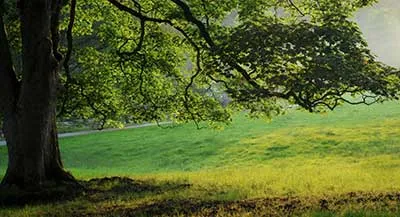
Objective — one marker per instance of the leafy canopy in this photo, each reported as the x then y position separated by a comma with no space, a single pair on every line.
199,60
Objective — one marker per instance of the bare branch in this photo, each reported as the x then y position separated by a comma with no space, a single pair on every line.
192,78
93,107
297,9
137,14
70,39
203,3
190,17
219,81
139,44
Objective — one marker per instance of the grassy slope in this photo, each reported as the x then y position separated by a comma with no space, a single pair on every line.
351,149
348,134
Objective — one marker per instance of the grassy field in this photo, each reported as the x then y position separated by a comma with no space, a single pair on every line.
349,158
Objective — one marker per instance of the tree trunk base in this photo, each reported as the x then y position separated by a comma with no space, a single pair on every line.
12,195
62,177
59,185
56,178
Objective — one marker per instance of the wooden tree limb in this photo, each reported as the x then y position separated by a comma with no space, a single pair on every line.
254,89
297,8
56,6
207,37
68,56
69,40
143,18
8,80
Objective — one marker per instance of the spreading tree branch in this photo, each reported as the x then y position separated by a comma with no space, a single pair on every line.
139,44
143,18
69,40
204,5
8,80
56,6
141,37
207,37
68,56
200,25
255,90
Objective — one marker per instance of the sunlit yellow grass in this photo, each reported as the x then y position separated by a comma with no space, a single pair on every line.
357,141
289,177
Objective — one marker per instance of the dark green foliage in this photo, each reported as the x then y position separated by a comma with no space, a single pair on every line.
313,65
178,64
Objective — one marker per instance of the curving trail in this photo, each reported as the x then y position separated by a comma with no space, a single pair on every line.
61,135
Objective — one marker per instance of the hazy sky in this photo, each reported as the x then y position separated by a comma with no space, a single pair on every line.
381,27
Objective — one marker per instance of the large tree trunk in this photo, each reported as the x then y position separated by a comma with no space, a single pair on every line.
34,156
29,118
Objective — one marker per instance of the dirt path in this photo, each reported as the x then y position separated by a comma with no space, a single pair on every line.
61,135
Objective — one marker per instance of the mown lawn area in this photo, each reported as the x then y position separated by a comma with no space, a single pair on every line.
341,163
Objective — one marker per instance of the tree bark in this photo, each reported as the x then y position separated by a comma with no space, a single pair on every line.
8,94
30,118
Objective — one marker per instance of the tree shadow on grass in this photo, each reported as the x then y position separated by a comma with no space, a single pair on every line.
12,196
195,207
125,188
94,190
276,206
119,196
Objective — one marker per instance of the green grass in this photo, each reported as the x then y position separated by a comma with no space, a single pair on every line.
353,149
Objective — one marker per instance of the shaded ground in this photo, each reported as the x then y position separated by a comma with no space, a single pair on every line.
118,196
